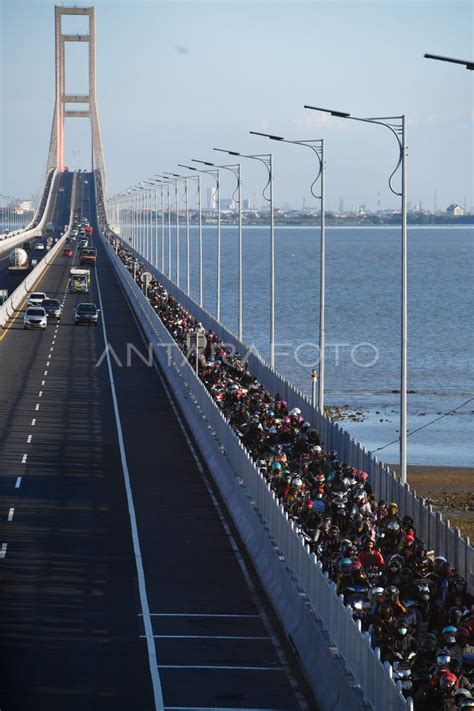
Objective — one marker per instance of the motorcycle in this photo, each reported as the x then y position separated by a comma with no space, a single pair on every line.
402,672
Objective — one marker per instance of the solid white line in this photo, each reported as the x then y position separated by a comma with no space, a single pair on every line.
3,550
24,458
37,407
18,482
28,441
195,614
10,514
204,636
33,422
155,676
224,668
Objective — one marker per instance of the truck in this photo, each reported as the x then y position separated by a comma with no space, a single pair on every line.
88,256
18,261
79,281
88,229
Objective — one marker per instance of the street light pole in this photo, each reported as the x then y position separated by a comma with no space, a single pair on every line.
235,170
266,159
397,126
317,146
216,175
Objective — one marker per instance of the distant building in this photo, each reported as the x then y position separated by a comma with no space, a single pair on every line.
455,210
248,204
212,198
228,204
25,206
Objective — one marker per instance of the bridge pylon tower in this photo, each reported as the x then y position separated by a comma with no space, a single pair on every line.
56,146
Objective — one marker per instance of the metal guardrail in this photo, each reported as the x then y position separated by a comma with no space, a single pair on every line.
304,596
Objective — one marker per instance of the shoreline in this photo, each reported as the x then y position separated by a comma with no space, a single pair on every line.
449,490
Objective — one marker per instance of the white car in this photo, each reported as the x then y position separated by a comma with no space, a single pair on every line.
35,317
36,298
40,246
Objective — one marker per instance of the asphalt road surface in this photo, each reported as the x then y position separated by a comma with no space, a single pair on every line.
123,583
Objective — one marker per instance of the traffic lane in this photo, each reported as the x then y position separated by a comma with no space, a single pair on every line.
191,567
69,617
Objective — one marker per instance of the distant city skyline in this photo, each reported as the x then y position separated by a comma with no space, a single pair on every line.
176,79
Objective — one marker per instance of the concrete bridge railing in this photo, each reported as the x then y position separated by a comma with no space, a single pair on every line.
40,219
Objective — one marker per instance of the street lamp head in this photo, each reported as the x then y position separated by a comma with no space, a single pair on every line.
267,135
231,153
341,114
204,162
467,63
174,175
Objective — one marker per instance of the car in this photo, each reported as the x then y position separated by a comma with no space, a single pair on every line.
36,298
39,246
68,252
35,317
52,308
86,313
61,189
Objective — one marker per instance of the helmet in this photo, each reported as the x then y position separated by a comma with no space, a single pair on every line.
429,643
297,482
345,565
393,506
439,562
295,412
443,658
463,635
313,436
376,593
320,478
332,454
356,567
308,504
448,680
462,694
467,704
392,593
276,466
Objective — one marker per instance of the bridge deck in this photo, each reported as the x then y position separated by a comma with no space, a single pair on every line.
72,632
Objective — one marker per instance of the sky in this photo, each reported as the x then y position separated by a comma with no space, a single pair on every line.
175,79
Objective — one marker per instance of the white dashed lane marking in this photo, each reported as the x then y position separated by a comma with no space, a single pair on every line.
28,441
10,514
33,422
18,482
37,407
3,550
24,458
